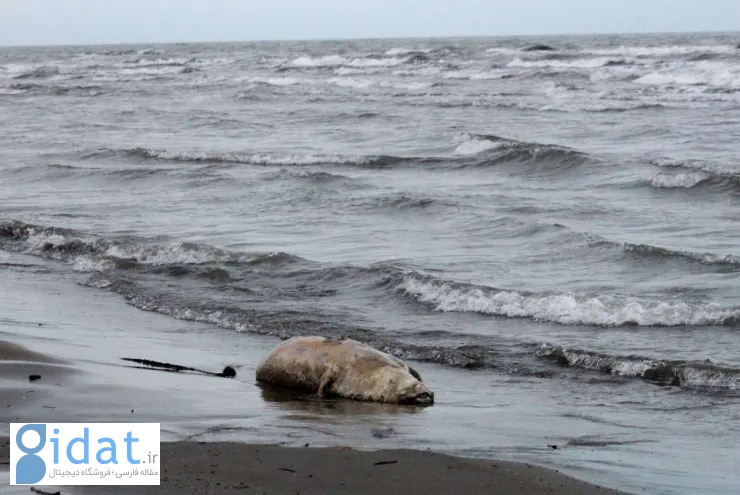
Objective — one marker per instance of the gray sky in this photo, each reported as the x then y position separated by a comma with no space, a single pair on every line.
41,22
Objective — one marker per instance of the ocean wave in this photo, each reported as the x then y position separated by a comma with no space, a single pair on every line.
394,52
580,105
702,258
679,181
470,150
87,90
477,75
61,171
69,245
234,157
38,72
504,51
564,308
706,74
574,64
661,52
342,81
399,202
319,177
701,375
160,62
688,174
285,324
495,149
333,61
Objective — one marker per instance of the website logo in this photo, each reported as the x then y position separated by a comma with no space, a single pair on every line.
85,452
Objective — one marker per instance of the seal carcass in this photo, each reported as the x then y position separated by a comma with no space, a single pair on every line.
343,368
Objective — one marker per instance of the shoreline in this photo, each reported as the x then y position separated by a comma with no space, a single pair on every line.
221,466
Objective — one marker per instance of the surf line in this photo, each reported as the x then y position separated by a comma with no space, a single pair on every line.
228,372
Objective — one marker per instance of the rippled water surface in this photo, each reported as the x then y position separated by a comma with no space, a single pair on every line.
566,215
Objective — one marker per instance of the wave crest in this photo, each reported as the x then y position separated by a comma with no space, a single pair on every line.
672,373
496,149
702,258
567,308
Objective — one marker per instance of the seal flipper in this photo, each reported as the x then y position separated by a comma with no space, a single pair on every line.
415,374
324,385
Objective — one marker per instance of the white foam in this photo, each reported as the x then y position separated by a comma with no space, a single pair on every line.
350,82
475,146
162,61
150,51
38,241
217,318
376,62
339,61
615,73
707,73
709,377
617,366
325,61
504,51
174,253
394,52
680,180
88,264
475,75
258,158
412,86
271,159
662,51
423,71
567,309
279,81
585,63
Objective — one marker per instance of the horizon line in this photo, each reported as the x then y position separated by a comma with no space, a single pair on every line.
364,38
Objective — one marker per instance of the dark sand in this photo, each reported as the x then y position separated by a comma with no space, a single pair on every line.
201,468
222,467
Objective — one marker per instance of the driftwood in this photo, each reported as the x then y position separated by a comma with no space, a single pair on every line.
42,492
228,372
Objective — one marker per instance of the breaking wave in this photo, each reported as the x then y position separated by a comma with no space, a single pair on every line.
236,157
39,72
671,373
662,51
335,61
686,174
605,310
703,73
68,245
474,150
87,90
490,149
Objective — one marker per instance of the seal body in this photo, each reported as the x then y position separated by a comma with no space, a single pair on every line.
343,368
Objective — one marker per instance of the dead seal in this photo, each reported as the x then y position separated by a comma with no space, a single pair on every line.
342,368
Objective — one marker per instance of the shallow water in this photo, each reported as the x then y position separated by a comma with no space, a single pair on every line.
552,230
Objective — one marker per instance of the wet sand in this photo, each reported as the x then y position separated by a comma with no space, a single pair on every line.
219,467
200,468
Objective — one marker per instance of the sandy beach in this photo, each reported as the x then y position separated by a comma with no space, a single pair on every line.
220,467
